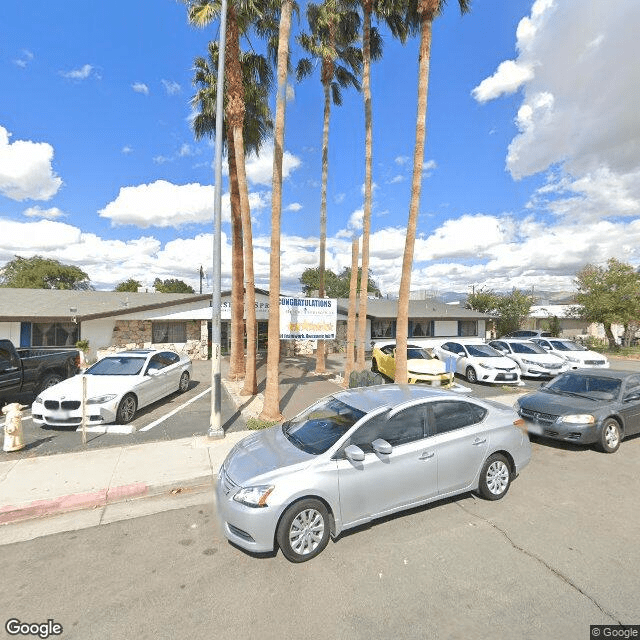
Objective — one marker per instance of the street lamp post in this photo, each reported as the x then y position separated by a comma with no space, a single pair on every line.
215,423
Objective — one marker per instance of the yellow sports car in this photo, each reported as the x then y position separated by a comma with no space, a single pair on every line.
421,366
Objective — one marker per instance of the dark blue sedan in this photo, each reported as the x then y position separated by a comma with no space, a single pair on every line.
586,406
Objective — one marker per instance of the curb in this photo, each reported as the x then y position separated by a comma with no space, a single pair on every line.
102,498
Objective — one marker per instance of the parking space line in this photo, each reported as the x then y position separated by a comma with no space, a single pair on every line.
171,413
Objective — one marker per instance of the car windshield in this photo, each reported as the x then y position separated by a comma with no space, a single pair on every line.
321,425
567,345
483,351
117,366
594,387
529,347
416,353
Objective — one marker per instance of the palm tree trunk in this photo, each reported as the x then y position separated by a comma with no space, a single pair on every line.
236,356
366,217
402,325
271,407
320,353
351,316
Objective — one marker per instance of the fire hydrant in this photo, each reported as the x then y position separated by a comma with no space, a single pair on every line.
13,437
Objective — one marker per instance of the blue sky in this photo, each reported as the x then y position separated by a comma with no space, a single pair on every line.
532,161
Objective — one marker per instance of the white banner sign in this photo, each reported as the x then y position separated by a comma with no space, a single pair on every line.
308,318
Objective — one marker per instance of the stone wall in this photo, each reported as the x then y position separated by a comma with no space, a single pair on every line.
137,334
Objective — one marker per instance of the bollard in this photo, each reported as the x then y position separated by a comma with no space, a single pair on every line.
13,437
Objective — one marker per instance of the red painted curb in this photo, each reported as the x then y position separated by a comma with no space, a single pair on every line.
73,502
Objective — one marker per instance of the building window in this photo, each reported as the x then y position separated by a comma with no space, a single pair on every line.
421,328
54,334
168,332
467,328
383,328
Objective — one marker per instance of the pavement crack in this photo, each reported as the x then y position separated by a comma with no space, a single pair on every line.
543,562
106,497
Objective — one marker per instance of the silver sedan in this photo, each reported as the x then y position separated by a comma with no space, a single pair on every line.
361,454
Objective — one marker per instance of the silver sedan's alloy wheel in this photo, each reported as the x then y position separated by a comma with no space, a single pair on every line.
611,436
306,531
497,477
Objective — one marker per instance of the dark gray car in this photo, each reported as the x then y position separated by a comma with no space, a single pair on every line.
585,406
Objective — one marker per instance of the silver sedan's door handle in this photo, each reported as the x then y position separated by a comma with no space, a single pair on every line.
426,455
478,441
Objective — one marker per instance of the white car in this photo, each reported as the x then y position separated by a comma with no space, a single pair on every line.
478,362
576,355
532,359
117,386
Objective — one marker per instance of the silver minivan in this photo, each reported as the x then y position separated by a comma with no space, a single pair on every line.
361,454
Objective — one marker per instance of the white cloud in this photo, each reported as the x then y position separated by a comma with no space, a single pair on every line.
24,60
171,87
429,167
127,149
48,214
260,168
508,78
294,206
78,74
25,169
140,87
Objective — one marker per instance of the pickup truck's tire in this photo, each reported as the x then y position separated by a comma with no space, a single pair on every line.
49,380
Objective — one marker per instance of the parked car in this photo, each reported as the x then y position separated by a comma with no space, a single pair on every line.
117,386
421,365
528,333
361,454
577,355
586,406
479,362
31,370
532,359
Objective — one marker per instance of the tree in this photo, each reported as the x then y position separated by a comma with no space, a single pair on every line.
609,296
241,16
42,273
257,82
172,285
271,405
423,16
351,315
128,285
333,33
510,310
390,12
336,286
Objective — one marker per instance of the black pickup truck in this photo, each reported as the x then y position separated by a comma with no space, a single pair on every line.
31,370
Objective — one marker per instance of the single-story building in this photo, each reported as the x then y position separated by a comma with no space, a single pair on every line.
110,319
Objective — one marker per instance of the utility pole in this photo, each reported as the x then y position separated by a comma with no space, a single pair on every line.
201,277
215,423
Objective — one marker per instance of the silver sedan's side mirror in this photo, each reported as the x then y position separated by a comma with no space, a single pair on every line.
354,453
381,446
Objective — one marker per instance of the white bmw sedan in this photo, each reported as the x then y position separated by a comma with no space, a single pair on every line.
117,386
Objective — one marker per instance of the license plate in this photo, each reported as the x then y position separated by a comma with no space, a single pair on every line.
509,376
59,415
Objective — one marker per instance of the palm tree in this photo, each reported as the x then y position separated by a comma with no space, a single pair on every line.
425,12
271,405
201,13
257,80
334,30
391,12
351,316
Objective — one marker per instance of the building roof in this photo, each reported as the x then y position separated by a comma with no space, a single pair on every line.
429,308
42,305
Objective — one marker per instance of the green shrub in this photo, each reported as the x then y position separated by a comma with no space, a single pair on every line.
257,423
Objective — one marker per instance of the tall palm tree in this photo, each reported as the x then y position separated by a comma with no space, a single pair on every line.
332,41
257,80
391,11
351,315
240,18
425,13
271,405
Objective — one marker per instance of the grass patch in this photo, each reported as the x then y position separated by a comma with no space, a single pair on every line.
255,424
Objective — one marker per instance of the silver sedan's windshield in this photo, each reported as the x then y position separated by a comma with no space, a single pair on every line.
117,366
321,425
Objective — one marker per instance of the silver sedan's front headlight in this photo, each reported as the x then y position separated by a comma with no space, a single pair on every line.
578,418
102,399
254,496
